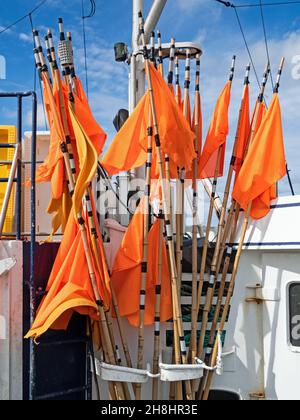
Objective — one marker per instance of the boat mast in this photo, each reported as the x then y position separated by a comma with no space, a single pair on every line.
137,72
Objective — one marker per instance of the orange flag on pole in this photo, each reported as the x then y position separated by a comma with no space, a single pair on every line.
87,120
243,131
216,137
129,148
264,165
69,287
53,164
126,277
189,175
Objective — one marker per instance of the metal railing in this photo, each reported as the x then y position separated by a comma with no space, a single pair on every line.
18,180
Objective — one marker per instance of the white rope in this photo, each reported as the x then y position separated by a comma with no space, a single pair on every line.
219,364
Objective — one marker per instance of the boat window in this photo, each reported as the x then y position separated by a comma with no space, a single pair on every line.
294,314
220,395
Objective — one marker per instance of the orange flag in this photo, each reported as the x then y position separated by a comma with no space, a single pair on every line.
86,118
53,164
243,131
189,175
69,287
264,165
126,277
129,148
216,137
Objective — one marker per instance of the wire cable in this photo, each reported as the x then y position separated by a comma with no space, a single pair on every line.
84,17
30,13
266,42
247,46
239,6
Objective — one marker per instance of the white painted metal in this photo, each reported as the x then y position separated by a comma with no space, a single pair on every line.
153,17
11,323
279,230
265,363
6,265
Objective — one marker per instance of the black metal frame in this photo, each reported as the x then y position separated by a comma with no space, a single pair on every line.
20,96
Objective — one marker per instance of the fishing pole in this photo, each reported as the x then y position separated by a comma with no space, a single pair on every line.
206,241
229,234
176,299
194,315
69,160
214,269
141,333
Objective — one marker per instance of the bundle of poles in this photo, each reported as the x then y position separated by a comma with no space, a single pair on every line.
202,346
117,391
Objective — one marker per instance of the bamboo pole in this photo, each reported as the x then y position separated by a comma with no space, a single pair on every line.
217,259
181,216
206,244
230,225
157,326
194,319
176,299
178,385
90,198
160,54
237,261
141,334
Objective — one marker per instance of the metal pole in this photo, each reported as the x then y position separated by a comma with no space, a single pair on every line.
19,174
32,369
153,17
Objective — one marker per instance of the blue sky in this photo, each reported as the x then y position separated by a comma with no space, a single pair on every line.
205,21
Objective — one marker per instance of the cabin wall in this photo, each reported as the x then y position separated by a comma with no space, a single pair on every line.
263,363
11,322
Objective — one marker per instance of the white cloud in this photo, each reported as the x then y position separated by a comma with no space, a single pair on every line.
25,37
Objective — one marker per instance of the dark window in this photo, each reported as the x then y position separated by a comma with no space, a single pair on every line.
294,297
218,395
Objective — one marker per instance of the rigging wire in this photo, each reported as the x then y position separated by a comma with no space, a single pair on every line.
239,6
247,46
261,5
28,14
266,42
84,17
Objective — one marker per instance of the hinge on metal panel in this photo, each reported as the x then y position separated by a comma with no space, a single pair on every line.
258,395
262,294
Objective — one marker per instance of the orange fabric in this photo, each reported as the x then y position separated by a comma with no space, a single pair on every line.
61,209
86,118
264,165
126,278
178,95
261,114
125,152
243,131
88,161
55,156
189,175
216,137
69,287
128,149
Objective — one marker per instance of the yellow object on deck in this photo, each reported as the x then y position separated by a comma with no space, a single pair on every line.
8,135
